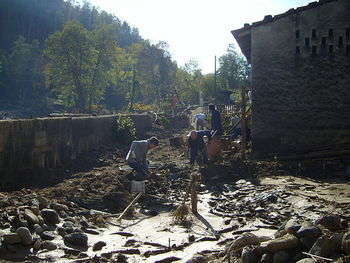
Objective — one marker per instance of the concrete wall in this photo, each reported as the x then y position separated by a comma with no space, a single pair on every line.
301,100
51,142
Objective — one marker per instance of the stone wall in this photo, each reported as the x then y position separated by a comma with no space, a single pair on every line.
47,143
301,80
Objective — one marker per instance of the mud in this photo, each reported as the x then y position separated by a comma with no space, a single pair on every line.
235,198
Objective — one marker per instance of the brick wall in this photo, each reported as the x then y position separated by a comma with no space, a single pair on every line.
301,100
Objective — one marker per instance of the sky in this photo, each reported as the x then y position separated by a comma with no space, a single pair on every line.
194,29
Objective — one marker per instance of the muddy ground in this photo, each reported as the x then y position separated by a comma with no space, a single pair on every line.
75,220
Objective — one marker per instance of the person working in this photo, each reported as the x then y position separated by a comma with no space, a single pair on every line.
200,121
137,156
216,125
197,147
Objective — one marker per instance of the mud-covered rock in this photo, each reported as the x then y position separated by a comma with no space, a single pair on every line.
266,258
283,243
326,246
31,218
250,254
99,245
47,235
25,235
292,226
76,239
309,231
331,222
12,238
281,257
50,216
48,245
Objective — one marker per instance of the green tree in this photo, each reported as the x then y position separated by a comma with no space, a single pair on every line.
233,70
25,63
79,62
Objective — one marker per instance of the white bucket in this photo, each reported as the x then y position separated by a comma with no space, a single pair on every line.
138,187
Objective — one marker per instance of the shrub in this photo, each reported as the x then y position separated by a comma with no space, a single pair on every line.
124,129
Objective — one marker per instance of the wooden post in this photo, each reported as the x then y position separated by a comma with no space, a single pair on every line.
243,124
194,198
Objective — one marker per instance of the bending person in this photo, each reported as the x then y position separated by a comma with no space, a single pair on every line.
137,156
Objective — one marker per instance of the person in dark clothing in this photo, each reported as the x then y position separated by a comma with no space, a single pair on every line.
196,146
216,124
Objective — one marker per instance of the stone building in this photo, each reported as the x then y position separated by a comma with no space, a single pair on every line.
300,78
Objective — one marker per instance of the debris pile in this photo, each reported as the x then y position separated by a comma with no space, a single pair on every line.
325,240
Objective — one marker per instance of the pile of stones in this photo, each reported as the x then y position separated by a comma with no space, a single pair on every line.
325,240
26,229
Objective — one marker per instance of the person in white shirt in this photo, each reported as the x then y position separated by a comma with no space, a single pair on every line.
200,121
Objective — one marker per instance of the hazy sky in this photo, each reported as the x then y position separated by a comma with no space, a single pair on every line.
194,29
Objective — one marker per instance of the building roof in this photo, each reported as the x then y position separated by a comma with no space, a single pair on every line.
242,35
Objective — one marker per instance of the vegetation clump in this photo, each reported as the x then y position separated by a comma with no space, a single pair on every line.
124,129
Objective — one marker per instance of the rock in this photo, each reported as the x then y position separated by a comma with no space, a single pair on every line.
85,224
346,243
48,245
91,231
12,238
121,258
266,258
76,239
191,238
43,202
283,243
292,226
309,231
31,218
281,257
61,231
37,244
197,259
50,216
331,222
250,255
307,260
47,235
38,229
59,207
99,245
326,246
25,235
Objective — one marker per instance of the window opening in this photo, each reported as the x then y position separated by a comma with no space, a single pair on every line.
340,42
307,42
314,35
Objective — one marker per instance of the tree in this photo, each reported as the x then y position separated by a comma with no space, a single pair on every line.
233,70
25,63
78,66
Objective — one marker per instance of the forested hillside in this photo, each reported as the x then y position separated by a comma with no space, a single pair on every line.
57,55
